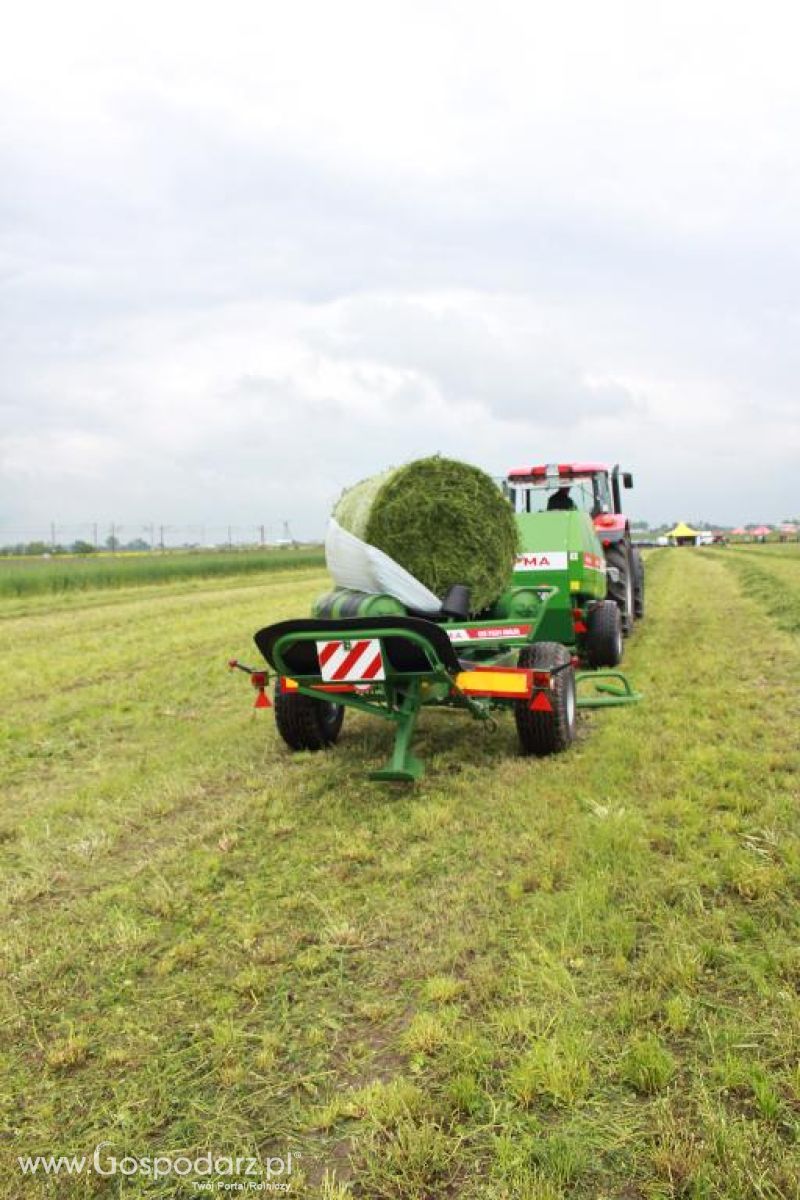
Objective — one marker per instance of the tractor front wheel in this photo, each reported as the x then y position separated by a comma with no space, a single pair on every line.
604,635
620,584
542,732
305,723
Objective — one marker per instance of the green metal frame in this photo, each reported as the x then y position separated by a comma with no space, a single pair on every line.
402,694
501,646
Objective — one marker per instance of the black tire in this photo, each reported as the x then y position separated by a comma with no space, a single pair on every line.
604,635
620,590
307,724
637,563
548,732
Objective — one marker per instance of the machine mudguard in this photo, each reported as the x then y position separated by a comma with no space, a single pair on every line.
403,654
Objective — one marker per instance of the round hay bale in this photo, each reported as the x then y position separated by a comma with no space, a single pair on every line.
445,521
353,506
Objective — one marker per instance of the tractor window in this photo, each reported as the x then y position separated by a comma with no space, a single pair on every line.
601,502
549,494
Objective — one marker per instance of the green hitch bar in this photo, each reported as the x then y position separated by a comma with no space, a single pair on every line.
611,689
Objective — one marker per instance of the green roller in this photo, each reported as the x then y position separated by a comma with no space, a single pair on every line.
518,603
346,603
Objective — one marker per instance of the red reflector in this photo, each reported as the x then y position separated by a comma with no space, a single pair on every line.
262,700
541,703
578,623
540,679
258,679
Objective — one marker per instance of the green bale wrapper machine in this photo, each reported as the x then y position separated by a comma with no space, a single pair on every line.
527,652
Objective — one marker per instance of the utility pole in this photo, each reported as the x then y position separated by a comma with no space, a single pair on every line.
52,537
263,539
113,538
230,538
94,534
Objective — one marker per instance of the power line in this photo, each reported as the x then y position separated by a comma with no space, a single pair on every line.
150,535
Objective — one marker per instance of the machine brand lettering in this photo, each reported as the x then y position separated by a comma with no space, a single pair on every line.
488,632
545,560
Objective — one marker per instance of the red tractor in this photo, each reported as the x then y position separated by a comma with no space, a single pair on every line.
594,488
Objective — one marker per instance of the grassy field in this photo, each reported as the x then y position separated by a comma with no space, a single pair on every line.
517,980
27,576
770,576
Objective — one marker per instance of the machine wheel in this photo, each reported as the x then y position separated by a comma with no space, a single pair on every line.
638,582
306,724
620,590
548,732
604,635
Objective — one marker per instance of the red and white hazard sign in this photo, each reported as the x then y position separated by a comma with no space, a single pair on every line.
351,662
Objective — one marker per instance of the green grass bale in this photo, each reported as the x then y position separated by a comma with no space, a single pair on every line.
445,521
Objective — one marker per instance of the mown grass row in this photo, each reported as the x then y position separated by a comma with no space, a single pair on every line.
771,578
21,577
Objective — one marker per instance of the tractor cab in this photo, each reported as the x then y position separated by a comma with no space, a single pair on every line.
590,487
595,490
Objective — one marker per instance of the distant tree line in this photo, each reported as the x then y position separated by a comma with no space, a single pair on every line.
115,545
38,548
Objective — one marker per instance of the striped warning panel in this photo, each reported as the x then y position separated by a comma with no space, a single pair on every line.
347,662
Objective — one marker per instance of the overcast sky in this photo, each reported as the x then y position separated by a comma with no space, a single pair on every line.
252,252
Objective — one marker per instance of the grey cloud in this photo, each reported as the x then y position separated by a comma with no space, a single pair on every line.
204,313
517,374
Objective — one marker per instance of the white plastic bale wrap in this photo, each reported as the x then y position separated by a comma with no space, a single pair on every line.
357,565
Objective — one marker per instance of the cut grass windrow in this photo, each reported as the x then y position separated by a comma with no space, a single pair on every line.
567,978
771,577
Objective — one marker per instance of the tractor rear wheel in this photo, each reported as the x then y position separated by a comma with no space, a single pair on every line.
620,589
604,635
305,723
638,582
541,732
